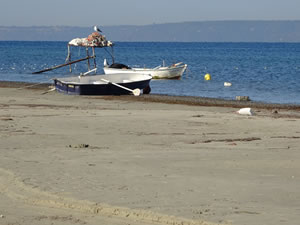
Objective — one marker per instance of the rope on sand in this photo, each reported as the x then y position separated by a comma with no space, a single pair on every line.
33,85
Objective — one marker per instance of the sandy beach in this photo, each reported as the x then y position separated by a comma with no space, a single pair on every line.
69,160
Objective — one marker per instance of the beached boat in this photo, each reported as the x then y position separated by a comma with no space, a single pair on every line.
174,71
100,84
116,84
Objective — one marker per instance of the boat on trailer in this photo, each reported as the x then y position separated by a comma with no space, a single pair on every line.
174,71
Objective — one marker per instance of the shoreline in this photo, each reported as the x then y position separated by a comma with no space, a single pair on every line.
169,99
148,160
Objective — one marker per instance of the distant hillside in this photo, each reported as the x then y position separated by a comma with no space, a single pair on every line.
211,31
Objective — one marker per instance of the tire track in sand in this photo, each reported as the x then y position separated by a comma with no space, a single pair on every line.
14,188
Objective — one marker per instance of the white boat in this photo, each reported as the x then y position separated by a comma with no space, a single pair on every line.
174,71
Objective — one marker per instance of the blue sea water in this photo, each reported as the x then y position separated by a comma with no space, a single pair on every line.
266,72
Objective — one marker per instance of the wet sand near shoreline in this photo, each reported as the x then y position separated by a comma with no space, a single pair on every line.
145,160
182,100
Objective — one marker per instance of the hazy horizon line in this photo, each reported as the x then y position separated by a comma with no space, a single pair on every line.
194,21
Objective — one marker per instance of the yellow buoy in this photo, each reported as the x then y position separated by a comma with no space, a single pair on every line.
207,76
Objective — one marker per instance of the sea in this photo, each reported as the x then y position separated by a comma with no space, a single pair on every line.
266,72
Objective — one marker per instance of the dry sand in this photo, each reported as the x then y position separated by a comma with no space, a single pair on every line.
139,160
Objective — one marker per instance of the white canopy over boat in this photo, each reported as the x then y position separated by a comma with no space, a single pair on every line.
95,39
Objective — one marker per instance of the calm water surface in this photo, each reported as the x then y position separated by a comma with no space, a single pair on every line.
268,72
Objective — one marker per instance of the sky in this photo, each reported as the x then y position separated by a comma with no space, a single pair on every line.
140,12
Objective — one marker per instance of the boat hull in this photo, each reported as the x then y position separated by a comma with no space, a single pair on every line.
94,85
160,73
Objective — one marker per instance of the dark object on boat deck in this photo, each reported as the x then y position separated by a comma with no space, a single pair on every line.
62,65
119,66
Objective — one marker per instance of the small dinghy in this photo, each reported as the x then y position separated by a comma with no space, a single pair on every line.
116,84
174,71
